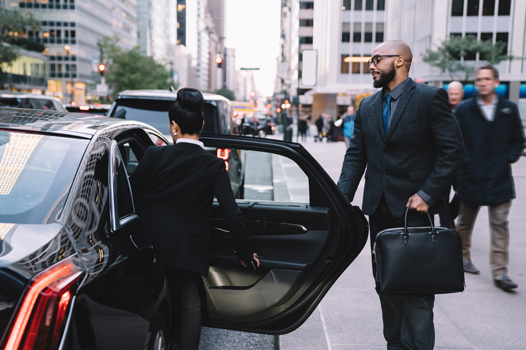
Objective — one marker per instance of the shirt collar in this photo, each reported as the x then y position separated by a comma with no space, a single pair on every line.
397,91
195,142
493,103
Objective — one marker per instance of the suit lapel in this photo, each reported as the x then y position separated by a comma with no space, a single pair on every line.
402,104
378,103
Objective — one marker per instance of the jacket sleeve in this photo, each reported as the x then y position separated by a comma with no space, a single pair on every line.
140,178
354,162
232,214
516,141
448,143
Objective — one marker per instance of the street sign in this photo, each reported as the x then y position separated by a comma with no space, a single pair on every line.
102,88
245,68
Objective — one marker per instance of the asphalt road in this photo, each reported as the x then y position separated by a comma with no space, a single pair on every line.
482,317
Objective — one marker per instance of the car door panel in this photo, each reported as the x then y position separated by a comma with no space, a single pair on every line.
302,247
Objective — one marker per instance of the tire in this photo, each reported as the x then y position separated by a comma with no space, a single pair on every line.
159,335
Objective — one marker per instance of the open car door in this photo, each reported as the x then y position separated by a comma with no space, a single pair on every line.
299,224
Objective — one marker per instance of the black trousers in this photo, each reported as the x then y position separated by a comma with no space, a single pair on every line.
186,289
407,318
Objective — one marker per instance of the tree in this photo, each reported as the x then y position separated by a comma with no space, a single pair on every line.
131,70
226,93
13,23
448,56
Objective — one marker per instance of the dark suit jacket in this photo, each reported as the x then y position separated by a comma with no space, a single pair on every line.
423,150
485,177
174,188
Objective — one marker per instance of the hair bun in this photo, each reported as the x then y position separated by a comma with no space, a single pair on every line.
190,99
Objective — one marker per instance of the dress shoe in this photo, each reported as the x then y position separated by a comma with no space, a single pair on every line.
469,267
504,282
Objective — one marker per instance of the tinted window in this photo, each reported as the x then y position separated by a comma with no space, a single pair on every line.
9,102
37,103
155,113
35,172
124,197
457,8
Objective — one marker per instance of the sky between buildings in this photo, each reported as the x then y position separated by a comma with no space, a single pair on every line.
253,29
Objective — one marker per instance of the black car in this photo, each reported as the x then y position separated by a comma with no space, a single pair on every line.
97,108
76,272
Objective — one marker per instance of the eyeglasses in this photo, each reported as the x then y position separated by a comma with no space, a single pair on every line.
375,59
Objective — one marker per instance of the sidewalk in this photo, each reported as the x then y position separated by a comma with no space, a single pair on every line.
482,317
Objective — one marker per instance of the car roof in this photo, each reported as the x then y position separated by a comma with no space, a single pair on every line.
163,94
60,123
16,94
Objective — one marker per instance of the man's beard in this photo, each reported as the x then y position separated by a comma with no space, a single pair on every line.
385,78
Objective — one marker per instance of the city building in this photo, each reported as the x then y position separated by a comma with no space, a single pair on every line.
28,73
425,24
70,31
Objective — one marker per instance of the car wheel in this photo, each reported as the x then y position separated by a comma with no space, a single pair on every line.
262,133
159,335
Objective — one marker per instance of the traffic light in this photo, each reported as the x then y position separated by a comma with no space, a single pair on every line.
219,61
102,68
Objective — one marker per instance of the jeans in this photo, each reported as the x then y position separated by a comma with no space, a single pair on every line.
407,318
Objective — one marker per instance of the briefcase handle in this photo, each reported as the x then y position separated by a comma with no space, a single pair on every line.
433,232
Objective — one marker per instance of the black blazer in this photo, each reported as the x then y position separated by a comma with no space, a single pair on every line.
174,187
423,150
491,147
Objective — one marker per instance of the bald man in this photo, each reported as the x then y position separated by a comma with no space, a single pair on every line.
410,143
455,91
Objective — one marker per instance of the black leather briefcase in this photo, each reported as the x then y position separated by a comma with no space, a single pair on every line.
418,260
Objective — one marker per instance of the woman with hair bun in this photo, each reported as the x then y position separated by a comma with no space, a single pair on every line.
174,188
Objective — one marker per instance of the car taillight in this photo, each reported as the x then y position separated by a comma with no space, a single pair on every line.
223,154
41,315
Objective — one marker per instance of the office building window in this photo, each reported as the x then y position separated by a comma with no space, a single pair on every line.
344,64
307,5
486,36
358,5
457,8
380,5
356,64
366,69
488,8
368,33
357,33
379,32
346,6
503,38
471,56
473,8
306,23
305,39
346,32
504,7
369,5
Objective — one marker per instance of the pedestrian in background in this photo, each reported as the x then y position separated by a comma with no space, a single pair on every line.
407,138
327,126
319,126
302,128
455,92
494,139
348,125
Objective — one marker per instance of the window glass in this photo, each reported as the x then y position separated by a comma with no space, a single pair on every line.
358,5
344,64
368,33
268,177
503,37
35,173
124,197
457,8
369,5
380,5
307,5
366,69
357,33
346,6
488,8
356,65
504,7
473,8
379,32
346,32
306,22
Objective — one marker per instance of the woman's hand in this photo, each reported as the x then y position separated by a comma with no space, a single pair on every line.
255,256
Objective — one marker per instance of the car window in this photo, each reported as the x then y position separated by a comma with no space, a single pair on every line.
37,103
35,174
261,176
9,102
124,196
210,111
129,151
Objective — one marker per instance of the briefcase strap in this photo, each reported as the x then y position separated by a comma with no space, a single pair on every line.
433,231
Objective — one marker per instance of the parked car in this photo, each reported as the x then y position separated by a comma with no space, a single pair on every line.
77,272
96,108
12,99
151,107
266,125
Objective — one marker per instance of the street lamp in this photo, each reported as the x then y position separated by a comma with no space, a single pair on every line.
67,48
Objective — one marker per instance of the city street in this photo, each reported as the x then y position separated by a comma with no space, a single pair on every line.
349,317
